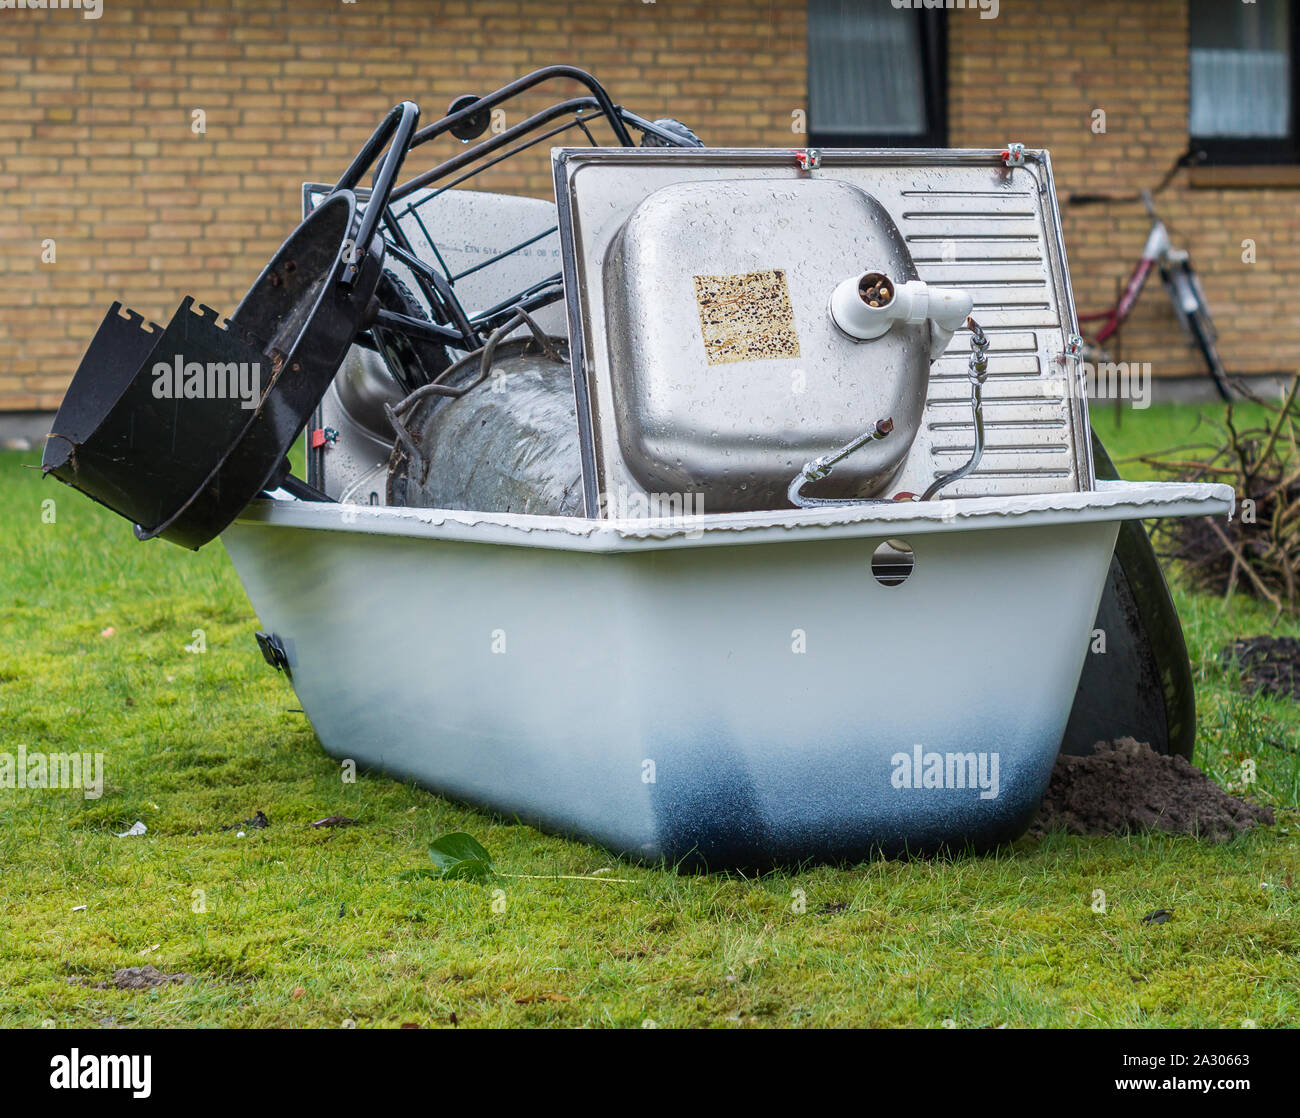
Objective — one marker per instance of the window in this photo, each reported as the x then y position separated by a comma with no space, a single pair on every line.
876,75
1242,81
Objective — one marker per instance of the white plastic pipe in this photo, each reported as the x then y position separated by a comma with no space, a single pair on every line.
912,302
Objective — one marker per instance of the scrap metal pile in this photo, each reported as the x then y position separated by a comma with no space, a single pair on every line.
698,390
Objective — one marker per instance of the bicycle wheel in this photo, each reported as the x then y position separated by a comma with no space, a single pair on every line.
1194,315
412,361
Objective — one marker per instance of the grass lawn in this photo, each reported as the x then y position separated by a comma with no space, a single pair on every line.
296,926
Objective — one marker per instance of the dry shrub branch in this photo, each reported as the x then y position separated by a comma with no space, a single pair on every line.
1258,550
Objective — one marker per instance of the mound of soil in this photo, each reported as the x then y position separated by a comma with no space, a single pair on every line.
1125,787
1269,664
145,978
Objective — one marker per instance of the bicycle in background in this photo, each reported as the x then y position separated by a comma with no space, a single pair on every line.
1176,273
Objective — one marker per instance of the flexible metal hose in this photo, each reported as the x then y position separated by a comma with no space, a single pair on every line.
821,467
976,371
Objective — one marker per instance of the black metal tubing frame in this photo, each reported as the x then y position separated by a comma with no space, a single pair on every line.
399,128
457,329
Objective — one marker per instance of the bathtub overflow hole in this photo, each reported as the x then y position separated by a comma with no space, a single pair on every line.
892,562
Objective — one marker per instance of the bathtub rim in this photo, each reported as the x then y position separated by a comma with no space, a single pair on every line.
1110,501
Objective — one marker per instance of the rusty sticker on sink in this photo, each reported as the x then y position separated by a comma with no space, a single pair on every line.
746,317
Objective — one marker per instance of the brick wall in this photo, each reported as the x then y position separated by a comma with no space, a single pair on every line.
97,150
1036,74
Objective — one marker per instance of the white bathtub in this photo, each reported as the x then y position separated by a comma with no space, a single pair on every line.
640,684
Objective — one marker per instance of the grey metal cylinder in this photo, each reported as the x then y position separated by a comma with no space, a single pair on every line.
508,445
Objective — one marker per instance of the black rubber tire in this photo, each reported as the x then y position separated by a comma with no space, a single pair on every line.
1143,686
685,136
1196,323
412,361
1210,352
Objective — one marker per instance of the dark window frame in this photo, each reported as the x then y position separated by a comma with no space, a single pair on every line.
1255,150
934,76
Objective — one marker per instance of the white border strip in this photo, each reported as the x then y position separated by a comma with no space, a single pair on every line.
1110,501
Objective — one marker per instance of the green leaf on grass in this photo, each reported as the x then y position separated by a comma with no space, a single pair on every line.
459,855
